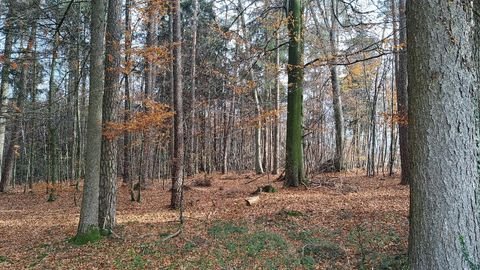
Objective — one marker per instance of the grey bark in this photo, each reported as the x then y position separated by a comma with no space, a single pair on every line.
276,102
89,211
444,177
193,153
337,98
7,51
258,126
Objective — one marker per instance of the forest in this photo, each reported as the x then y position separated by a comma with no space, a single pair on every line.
240,134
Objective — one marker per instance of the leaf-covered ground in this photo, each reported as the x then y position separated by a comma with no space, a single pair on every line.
343,221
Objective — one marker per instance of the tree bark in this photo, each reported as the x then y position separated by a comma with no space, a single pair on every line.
294,174
178,149
7,51
108,163
126,137
258,110
193,153
89,211
336,94
276,101
444,216
402,94
10,155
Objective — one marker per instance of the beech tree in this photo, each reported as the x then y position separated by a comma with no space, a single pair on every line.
294,174
444,216
90,203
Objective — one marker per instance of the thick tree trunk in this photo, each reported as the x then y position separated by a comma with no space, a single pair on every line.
89,211
178,149
108,163
294,174
444,216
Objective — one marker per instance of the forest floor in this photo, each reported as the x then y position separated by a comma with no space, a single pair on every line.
343,221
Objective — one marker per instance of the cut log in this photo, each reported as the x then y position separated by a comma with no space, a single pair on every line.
252,200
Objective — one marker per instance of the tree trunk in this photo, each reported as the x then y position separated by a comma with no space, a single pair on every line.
89,211
276,101
10,155
178,151
294,174
258,124
193,155
126,137
402,94
444,216
108,163
52,130
7,51
336,94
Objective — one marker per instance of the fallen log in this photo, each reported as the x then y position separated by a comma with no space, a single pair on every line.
252,200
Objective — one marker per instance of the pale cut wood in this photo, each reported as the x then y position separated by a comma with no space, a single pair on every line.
252,200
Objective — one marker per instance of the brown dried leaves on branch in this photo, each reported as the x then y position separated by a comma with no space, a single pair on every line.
155,118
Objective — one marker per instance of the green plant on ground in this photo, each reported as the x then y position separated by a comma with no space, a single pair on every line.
224,229
259,241
370,244
323,250
291,213
91,236
132,261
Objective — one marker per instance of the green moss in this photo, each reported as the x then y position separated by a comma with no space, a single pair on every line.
291,213
308,262
260,241
223,229
324,250
91,236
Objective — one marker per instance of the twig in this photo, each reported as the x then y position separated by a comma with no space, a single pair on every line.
173,235
255,179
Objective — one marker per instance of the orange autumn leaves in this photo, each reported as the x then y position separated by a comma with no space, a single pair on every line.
155,117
